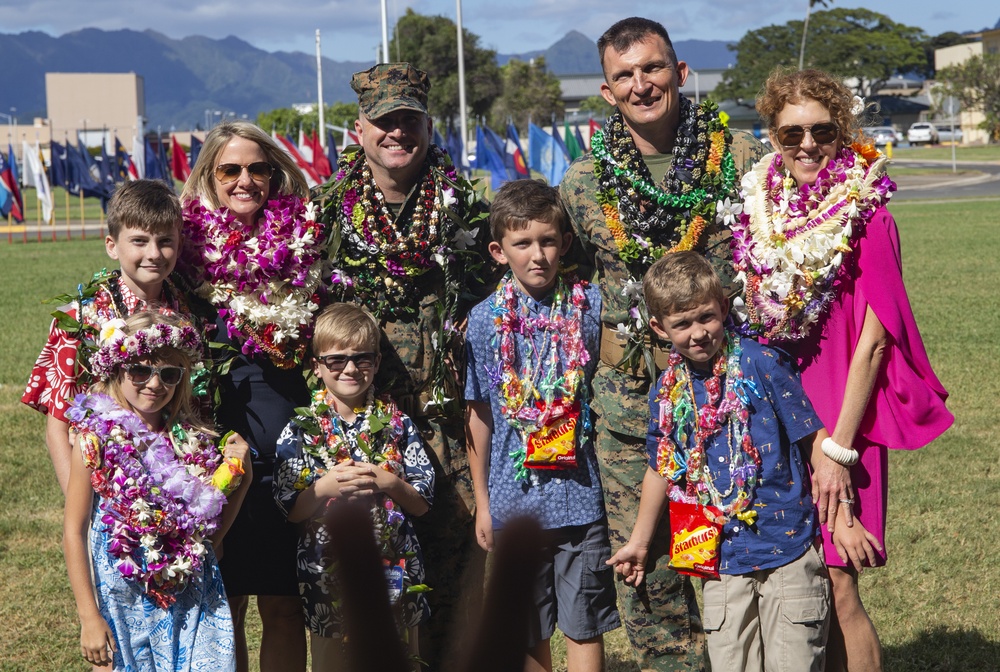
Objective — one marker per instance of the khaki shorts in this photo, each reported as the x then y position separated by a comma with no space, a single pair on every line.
781,615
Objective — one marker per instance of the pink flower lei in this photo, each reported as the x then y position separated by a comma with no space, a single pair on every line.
264,280
791,243
158,503
527,395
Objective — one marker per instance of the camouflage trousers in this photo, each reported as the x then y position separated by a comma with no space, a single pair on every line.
455,569
661,615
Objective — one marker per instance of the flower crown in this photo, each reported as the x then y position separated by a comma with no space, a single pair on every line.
118,346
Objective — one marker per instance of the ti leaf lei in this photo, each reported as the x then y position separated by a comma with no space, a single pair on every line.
647,221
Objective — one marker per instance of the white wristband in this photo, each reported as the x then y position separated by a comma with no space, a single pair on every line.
836,452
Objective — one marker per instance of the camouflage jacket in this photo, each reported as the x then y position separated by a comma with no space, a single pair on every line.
422,347
620,398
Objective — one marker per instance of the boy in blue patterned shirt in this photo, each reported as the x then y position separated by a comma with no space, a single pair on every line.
726,415
532,348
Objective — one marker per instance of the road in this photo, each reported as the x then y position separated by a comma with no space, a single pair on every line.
945,186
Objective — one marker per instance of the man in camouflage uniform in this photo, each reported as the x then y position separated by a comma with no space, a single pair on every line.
669,153
407,245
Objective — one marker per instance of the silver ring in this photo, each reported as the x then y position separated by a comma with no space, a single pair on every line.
846,501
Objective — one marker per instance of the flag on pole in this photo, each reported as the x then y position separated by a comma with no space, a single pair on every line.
546,156
15,181
456,149
138,157
515,157
312,179
10,203
488,158
79,176
58,171
581,143
321,163
124,170
305,149
594,127
195,149
572,148
179,166
34,176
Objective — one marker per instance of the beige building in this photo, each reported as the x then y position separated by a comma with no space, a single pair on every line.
94,101
959,53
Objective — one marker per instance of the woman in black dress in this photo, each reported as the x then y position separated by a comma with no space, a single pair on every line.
253,252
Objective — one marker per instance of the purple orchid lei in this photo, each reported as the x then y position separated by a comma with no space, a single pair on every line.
264,280
158,504
792,243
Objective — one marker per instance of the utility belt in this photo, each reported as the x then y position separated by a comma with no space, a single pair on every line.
613,352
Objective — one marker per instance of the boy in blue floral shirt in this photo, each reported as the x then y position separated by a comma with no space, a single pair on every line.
350,445
532,348
726,415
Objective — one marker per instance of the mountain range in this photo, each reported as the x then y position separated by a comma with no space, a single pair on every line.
183,78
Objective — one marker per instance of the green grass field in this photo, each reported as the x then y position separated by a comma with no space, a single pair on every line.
935,604
980,153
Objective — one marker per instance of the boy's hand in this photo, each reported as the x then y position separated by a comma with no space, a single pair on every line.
630,562
351,480
484,528
97,642
855,544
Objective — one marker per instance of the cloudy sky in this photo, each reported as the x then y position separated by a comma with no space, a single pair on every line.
352,28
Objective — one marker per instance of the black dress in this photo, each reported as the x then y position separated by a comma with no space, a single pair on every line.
257,399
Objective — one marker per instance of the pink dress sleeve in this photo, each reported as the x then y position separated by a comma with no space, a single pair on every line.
53,382
907,409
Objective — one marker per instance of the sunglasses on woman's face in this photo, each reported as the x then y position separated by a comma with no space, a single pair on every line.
259,171
365,361
822,134
141,373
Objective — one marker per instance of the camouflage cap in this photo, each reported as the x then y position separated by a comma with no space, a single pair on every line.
391,86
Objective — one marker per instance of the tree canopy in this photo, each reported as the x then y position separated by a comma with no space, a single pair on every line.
431,44
976,84
288,119
529,92
852,43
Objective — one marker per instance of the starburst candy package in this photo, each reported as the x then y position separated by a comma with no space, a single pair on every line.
695,537
554,445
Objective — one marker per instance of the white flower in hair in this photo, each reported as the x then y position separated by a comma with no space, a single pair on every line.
112,329
858,106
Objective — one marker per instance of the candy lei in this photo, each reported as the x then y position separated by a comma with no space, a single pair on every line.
647,221
379,438
792,242
687,430
527,395
157,501
264,281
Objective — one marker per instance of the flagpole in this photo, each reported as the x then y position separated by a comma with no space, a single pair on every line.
319,93
461,81
385,35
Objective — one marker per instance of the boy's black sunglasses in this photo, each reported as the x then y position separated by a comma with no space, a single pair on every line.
141,373
260,171
365,361
792,136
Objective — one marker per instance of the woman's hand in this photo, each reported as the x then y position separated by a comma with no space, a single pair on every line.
97,642
855,545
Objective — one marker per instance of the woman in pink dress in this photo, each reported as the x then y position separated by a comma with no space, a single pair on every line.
821,260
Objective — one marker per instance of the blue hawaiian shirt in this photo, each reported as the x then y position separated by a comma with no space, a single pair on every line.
780,416
555,497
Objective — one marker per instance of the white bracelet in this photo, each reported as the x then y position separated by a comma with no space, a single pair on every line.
836,452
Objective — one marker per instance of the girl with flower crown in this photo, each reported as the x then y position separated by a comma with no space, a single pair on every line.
819,253
254,251
148,591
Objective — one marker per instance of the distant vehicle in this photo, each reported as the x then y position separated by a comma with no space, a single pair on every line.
922,133
945,135
882,135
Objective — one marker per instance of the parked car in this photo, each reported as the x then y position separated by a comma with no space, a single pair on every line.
882,135
945,134
923,132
